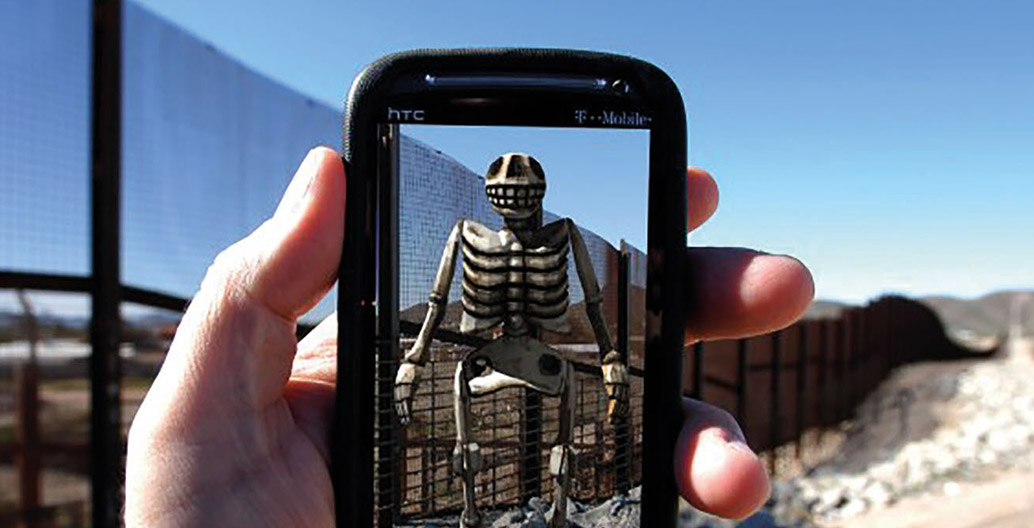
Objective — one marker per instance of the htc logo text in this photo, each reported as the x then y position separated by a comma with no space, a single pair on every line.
405,115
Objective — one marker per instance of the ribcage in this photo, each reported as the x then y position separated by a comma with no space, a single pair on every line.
500,281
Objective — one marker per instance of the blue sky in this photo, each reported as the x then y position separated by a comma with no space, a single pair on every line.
888,145
597,177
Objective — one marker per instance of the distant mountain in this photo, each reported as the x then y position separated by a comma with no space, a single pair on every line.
155,319
8,319
824,309
12,319
984,316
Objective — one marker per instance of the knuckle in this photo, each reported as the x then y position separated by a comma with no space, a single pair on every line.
229,269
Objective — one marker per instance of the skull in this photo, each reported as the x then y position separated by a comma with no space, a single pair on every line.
515,185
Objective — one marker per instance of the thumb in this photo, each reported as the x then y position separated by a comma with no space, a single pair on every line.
236,342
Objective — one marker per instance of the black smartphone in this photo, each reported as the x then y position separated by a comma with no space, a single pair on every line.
511,291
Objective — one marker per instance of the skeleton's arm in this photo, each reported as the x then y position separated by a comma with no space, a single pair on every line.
438,298
593,296
615,374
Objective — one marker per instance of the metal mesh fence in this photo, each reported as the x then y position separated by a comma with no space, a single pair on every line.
208,148
427,487
44,136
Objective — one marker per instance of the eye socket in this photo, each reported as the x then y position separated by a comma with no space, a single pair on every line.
536,168
495,166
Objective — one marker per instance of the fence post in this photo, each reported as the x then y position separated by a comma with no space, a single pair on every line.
775,410
105,321
622,456
838,368
741,382
697,391
27,440
531,439
802,372
861,386
27,436
847,352
822,391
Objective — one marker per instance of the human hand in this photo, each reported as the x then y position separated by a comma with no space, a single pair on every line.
733,292
234,430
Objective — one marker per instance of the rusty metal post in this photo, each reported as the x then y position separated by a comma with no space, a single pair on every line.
27,440
741,382
775,400
821,391
802,387
27,434
847,352
697,391
861,357
837,374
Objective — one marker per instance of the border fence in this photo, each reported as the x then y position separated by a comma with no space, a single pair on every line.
814,374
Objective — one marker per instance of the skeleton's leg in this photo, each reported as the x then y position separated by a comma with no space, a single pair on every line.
562,457
466,458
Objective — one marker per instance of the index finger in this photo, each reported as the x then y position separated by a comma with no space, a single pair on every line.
702,196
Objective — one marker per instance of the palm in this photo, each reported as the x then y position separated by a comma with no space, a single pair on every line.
288,477
240,455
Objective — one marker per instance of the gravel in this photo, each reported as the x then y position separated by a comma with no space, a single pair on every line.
985,425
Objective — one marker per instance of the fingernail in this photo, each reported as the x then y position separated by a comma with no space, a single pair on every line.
298,190
741,446
727,439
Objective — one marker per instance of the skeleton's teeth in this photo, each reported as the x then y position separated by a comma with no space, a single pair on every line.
509,192
521,193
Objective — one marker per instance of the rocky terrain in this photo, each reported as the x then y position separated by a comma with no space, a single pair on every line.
927,430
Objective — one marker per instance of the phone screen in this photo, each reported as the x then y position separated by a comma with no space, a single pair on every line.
520,257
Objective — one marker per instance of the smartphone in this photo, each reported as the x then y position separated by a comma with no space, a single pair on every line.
511,290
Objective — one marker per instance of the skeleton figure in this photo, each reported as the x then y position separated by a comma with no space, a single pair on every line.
515,278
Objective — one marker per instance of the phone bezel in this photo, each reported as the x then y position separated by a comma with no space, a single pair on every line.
552,85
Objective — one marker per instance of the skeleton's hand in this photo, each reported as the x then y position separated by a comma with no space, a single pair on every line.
615,380
405,386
